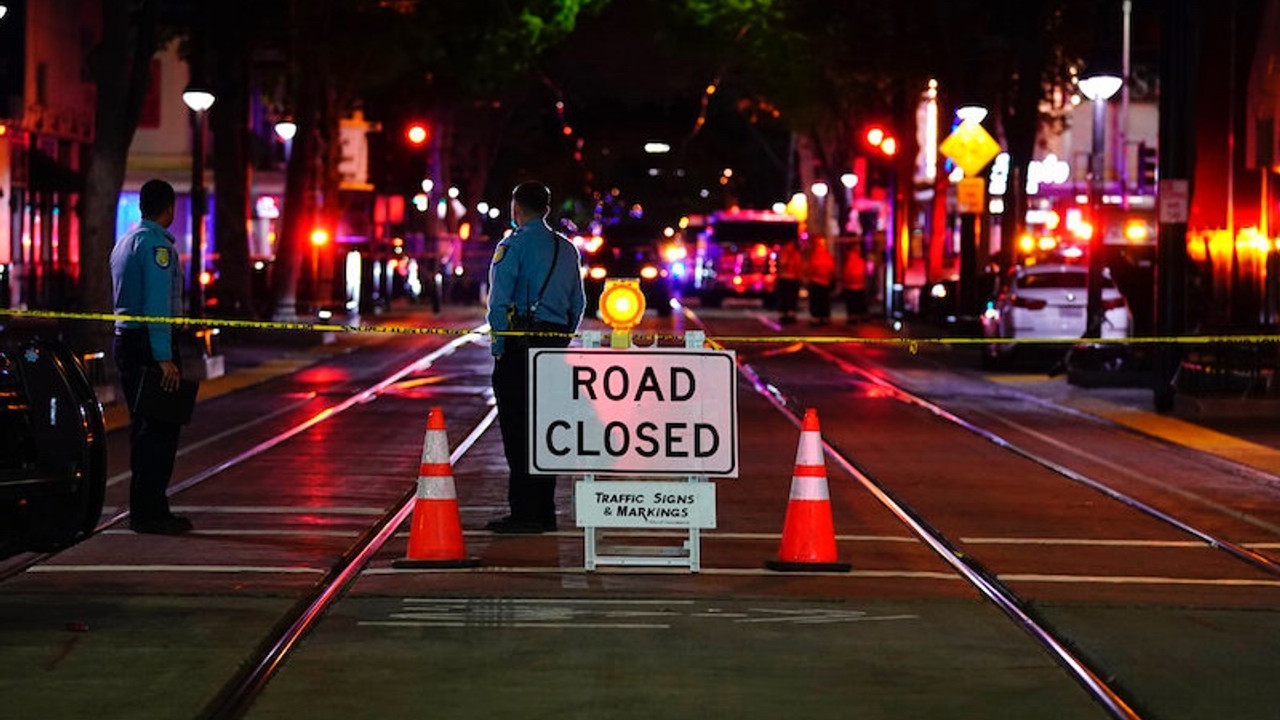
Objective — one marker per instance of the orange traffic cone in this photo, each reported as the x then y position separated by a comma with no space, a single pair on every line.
435,535
808,534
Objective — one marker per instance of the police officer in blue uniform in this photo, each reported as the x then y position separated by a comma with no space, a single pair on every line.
535,271
146,279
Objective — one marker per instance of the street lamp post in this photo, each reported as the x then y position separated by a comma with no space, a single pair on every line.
1099,89
286,129
199,100
970,115
820,190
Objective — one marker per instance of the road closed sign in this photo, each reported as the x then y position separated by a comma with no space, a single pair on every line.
659,412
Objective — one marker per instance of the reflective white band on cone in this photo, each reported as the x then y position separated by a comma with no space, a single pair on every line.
435,447
808,487
436,488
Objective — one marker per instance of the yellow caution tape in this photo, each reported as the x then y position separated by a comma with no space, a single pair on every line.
913,344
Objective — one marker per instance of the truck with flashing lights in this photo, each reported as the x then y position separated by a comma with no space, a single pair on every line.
736,254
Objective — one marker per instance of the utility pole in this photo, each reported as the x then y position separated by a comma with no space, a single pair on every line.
1179,61
1122,134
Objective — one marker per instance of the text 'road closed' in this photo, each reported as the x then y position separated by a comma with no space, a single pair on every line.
633,412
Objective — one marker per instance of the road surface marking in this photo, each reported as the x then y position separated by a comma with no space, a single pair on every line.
1137,580
288,570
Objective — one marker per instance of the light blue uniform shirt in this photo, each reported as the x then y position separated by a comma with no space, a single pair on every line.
146,279
520,264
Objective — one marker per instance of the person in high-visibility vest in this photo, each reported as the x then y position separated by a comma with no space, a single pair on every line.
822,277
787,285
853,282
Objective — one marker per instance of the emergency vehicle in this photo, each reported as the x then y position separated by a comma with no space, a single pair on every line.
736,253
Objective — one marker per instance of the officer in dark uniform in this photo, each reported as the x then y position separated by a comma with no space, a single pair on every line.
146,279
522,262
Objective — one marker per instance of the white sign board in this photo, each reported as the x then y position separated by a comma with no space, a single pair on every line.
658,412
1173,200
656,504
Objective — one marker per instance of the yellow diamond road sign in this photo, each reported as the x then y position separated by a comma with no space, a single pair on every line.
971,147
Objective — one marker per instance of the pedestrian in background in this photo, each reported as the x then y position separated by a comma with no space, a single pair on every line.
822,276
853,282
787,284
535,285
146,280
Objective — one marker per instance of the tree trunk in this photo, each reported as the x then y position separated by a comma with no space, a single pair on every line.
299,179
1021,122
297,209
229,121
121,69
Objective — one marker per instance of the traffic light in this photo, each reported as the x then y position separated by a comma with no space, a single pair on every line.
1147,167
878,138
417,133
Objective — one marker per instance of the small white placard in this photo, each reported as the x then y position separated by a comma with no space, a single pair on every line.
1173,201
645,504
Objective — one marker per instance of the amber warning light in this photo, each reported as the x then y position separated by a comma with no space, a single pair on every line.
621,305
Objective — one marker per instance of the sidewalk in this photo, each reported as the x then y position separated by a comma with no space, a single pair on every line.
1241,439
252,357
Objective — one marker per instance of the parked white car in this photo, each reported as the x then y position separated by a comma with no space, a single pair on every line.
1048,302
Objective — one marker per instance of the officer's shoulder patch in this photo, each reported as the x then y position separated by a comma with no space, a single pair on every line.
163,257
499,253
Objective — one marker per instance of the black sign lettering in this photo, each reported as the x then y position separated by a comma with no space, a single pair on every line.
646,443
674,439
612,373
551,445
609,434
689,389
699,431
582,441
649,383
584,377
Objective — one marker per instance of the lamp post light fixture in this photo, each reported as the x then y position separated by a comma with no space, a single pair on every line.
286,129
199,100
971,113
1099,89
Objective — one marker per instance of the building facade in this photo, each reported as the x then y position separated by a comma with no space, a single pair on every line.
47,101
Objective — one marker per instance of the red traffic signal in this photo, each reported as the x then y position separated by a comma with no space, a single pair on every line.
417,133
878,138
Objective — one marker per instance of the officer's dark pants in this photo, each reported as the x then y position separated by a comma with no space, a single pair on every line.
532,497
152,443
788,290
819,302
855,302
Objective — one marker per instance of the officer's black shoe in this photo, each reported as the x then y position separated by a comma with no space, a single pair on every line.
511,526
171,525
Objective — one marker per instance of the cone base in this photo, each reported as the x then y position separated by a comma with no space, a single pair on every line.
786,566
407,563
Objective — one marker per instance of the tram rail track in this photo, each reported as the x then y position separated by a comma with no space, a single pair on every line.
20,563
1093,678
986,583
1255,559
237,695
